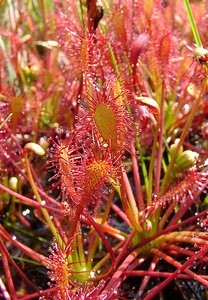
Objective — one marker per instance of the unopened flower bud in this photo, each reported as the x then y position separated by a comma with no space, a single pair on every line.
37,149
35,70
13,181
187,159
173,147
26,70
48,44
193,90
26,38
201,54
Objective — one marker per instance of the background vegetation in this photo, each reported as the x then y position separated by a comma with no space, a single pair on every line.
103,149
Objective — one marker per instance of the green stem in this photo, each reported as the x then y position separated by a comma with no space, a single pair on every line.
5,120
167,177
43,12
104,219
137,180
151,167
131,217
161,134
74,225
130,195
113,58
193,24
82,14
43,210
143,165
82,259
166,215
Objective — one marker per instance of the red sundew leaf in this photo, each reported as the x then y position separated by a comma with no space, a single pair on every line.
60,272
139,44
17,105
63,158
152,106
148,8
110,118
164,50
84,55
96,173
119,25
105,120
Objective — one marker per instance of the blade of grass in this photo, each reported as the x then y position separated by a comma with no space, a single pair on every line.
193,24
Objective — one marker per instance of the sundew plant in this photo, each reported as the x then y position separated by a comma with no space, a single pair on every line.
103,149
